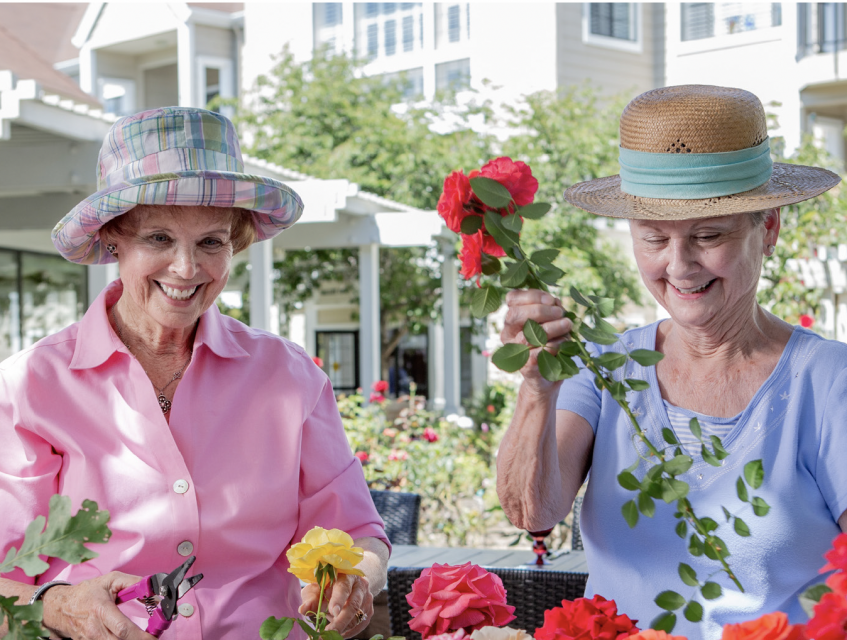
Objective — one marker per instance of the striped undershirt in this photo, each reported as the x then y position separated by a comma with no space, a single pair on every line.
709,425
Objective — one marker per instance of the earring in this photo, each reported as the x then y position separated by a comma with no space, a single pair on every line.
769,250
112,249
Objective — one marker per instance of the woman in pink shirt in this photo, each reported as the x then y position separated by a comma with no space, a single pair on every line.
200,435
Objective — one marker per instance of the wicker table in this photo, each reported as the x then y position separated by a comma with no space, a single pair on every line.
531,590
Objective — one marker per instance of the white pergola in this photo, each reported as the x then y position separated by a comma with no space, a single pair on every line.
48,155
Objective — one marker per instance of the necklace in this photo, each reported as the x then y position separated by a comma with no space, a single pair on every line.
164,403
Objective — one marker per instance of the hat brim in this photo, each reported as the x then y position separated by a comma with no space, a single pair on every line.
789,184
274,205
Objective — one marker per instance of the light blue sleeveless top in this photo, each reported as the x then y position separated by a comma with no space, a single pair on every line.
796,423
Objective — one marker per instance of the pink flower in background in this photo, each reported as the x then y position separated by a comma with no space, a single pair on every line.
486,354
449,598
376,397
806,321
430,435
380,386
397,454
484,427
318,361
388,432
362,456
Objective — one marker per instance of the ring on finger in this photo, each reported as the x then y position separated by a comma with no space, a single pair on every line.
361,616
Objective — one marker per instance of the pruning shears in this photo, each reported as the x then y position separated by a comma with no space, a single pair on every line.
160,593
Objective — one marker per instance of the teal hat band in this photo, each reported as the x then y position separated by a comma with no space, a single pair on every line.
693,176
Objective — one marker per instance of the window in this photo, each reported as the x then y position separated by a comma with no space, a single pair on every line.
408,33
821,27
613,20
379,26
327,21
39,295
453,76
411,80
117,95
215,78
390,37
452,23
339,352
701,20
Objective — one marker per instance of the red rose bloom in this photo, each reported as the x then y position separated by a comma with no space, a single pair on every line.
806,321
362,456
318,361
586,619
771,626
471,255
448,598
515,176
830,618
430,435
453,200
380,386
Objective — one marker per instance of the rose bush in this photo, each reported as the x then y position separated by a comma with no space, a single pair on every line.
586,619
449,598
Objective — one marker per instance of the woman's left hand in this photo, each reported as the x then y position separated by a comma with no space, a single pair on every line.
345,602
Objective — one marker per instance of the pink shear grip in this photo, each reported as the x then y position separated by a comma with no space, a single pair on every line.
157,624
141,589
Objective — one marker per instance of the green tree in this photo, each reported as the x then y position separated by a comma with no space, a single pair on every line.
805,226
325,118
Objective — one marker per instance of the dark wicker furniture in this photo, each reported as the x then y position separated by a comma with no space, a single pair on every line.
530,591
400,511
576,537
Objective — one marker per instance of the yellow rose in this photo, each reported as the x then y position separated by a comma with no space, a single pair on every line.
319,546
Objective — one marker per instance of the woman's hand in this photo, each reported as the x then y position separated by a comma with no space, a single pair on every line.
546,310
87,611
343,601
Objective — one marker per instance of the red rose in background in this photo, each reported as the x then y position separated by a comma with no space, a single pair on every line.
448,598
586,619
806,321
451,205
515,176
318,361
837,560
771,626
430,435
376,397
830,618
380,386
362,456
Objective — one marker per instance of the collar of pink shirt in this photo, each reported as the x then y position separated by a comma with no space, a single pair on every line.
92,351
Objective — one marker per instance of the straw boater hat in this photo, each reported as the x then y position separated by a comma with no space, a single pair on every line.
697,151
172,156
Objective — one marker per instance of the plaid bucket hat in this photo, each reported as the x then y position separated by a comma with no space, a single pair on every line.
697,151
172,156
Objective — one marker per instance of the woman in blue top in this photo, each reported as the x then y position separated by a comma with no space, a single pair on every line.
703,198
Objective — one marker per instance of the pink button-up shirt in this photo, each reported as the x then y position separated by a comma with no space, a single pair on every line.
254,456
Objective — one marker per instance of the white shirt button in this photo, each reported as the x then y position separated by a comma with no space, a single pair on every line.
185,548
181,486
186,610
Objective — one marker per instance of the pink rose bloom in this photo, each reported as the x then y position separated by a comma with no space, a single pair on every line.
380,386
449,598
376,397
318,361
397,454
388,432
430,435
456,635
362,456
806,321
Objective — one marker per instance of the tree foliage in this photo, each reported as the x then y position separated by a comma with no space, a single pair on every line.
325,118
805,226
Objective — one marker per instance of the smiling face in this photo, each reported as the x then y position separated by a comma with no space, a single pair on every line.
705,271
174,261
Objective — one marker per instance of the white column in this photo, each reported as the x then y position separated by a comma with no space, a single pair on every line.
435,367
479,363
185,65
370,336
99,275
261,287
88,70
452,346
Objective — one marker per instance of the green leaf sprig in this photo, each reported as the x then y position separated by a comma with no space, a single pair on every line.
666,461
64,537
